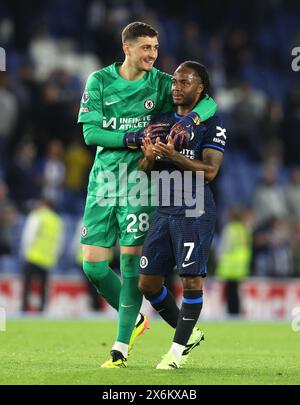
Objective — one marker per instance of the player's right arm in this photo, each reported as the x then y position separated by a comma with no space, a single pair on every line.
91,116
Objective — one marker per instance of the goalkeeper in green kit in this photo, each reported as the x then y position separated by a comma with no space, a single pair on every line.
117,106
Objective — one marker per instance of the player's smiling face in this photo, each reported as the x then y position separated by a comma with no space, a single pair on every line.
142,53
186,87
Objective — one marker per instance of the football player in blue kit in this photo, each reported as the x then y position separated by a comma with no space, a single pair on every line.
175,238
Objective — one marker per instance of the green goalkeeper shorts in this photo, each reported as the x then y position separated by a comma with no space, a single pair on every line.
103,225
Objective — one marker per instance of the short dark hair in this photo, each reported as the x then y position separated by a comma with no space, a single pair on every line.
138,29
202,72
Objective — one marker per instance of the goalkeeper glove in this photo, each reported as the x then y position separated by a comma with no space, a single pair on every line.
133,140
182,131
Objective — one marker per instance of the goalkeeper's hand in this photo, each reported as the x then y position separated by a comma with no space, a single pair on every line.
182,131
133,140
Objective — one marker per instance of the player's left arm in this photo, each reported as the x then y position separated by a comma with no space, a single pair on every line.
210,164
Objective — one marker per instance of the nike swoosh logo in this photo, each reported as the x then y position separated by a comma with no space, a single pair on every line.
187,319
187,264
137,237
111,102
126,306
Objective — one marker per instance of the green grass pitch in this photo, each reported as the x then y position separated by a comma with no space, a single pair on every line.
37,351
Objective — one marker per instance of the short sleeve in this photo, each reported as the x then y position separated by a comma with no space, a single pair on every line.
91,111
215,136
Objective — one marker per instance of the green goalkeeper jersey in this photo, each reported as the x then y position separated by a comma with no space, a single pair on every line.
118,105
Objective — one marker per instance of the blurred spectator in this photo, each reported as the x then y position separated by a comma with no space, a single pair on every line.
272,255
269,197
27,91
292,193
67,86
290,133
273,120
8,115
22,177
43,49
214,58
191,42
8,217
295,246
54,113
248,113
41,245
234,255
236,46
78,162
105,39
53,172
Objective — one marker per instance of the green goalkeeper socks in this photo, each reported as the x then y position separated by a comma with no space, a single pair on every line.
130,297
105,280
108,284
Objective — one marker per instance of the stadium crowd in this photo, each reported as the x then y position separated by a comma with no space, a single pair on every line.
52,47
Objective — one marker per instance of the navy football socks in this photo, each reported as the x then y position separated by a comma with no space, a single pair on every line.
188,316
166,306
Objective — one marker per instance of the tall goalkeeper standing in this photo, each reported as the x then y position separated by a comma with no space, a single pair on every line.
119,101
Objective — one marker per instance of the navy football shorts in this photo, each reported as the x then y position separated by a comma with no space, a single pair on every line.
177,240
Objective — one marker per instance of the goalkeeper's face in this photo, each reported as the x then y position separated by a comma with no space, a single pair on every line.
186,87
141,53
